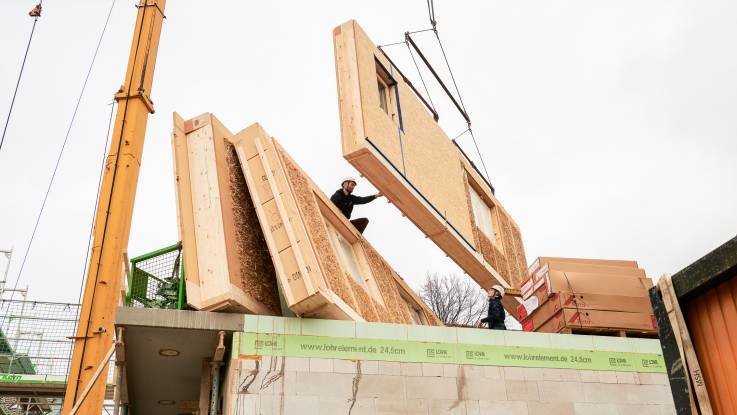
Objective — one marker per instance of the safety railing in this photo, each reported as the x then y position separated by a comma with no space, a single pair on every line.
34,337
157,280
38,405
35,352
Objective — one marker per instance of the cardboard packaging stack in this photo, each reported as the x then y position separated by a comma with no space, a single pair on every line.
572,295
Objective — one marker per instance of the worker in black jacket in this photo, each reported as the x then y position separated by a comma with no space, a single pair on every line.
344,199
495,318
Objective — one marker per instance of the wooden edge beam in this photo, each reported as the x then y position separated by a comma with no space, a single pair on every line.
686,348
679,383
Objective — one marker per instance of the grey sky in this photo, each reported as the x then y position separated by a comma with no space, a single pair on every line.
609,128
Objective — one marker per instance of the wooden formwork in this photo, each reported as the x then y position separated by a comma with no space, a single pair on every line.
394,141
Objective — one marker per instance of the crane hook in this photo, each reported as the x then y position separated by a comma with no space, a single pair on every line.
36,11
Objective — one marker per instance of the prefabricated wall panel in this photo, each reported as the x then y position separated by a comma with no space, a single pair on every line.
294,215
405,154
226,261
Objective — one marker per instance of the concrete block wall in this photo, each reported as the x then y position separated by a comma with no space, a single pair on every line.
305,386
262,384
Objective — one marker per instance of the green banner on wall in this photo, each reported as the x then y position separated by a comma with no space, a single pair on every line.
251,344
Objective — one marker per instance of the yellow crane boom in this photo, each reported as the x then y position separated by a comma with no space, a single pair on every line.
94,338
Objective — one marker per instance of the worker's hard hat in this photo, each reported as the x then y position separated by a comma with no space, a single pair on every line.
498,288
348,179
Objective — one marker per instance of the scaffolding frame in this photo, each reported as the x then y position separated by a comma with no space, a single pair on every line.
35,351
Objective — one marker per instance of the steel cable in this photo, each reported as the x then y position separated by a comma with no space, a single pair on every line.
61,152
421,78
17,84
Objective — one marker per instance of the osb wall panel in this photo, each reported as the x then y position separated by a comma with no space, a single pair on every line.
316,229
519,255
257,277
298,220
712,321
432,319
298,270
393,310
365,304
430,160
511,263
513,253
424,155
394,306
492,255
511,258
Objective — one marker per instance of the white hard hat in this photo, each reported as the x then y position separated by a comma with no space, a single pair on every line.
348,179
498,288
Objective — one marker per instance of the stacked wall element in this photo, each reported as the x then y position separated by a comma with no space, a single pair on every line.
226,261
295,216
290,366
406,155
581,295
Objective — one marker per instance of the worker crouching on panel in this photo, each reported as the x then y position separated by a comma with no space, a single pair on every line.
495,318
344,199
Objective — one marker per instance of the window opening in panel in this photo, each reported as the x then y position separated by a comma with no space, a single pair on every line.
482,215
382,95
346,255
386,86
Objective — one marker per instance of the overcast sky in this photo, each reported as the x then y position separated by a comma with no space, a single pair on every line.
609,129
